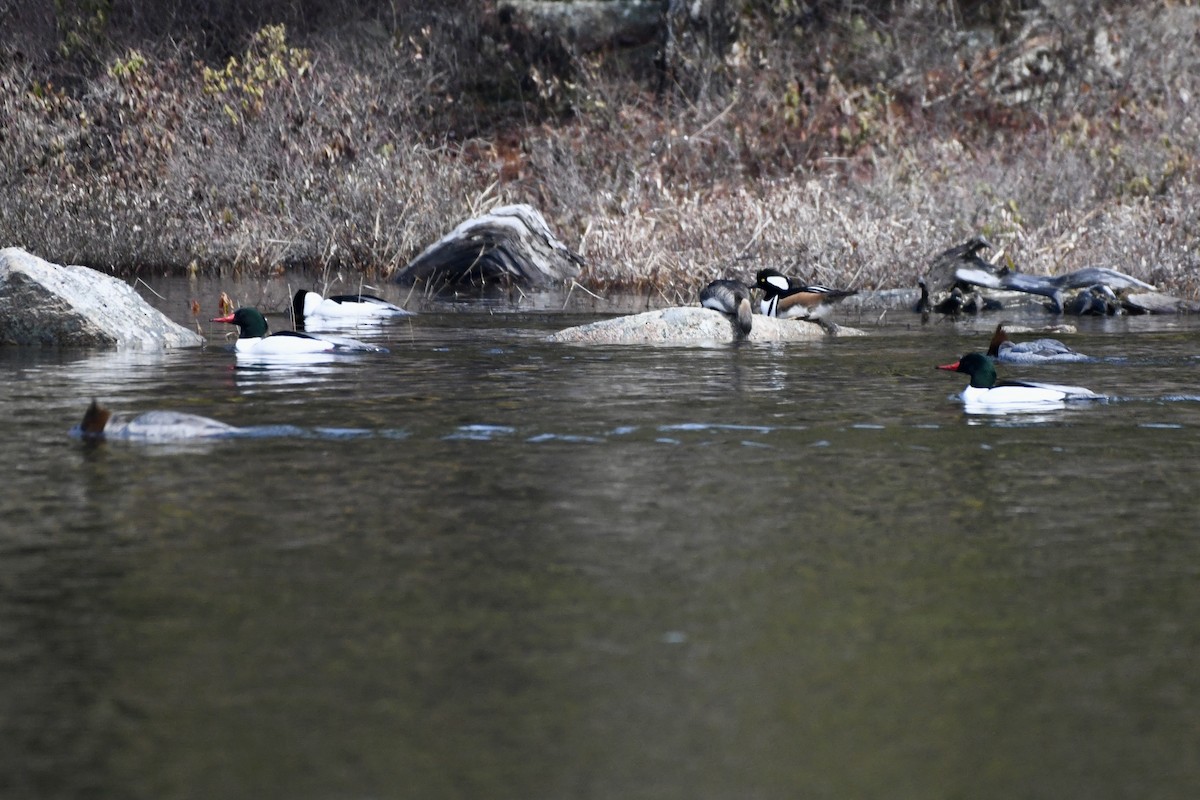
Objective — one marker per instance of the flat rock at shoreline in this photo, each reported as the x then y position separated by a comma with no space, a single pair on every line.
48,304
692,325
1159,303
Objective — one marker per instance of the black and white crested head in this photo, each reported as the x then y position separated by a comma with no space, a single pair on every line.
772,279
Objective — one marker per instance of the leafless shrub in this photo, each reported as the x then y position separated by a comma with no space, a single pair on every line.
847,142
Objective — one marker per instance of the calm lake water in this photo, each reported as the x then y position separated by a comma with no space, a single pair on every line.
491,567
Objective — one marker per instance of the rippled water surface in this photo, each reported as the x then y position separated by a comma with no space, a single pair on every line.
486,566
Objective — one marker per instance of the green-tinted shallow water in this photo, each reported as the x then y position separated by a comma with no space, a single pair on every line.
523,570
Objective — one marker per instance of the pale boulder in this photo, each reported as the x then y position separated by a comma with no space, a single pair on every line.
693,325
47,304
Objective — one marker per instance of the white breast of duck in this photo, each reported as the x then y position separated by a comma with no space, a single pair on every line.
285,343
1023,394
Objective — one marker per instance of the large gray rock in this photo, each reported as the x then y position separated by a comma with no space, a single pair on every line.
693,325
1158,303
47,304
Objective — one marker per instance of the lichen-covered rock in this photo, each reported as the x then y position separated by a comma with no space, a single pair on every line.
48,304
693,325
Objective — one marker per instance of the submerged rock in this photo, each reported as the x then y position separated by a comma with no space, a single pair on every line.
48,304
691,325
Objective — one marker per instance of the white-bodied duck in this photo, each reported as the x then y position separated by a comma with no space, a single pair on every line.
99,424
985,393
342,309
789,298
254,338
732,298
1035,351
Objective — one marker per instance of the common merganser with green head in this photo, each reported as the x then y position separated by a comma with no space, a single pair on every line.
342,308
99,424
788,298
254,338
1035,351
732,298
984,392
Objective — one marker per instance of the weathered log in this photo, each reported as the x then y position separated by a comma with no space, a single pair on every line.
48,304
1051,286
512,245
591,25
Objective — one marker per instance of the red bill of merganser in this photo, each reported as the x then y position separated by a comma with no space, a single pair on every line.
984,392
732,298
254,338
788,298
99,424
1036,351
343,308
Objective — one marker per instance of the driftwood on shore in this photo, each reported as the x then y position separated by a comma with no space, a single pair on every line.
71,306
1087,291
590,25
512,245
1052,286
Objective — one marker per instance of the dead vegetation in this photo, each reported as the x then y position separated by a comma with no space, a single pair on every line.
848,142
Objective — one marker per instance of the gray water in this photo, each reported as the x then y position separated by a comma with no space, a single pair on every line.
490,567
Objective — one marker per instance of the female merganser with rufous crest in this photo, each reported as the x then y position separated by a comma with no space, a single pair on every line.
1036,351
985,393
343,308
732,298
254,339
788,298
99,424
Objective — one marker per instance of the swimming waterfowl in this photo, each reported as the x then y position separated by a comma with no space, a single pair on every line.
99,423
789,298
732,298
254,338
1035,351
943,275
309,307
985,392
1096,300
948,286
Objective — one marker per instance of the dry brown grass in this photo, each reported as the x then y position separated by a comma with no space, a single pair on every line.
849,154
